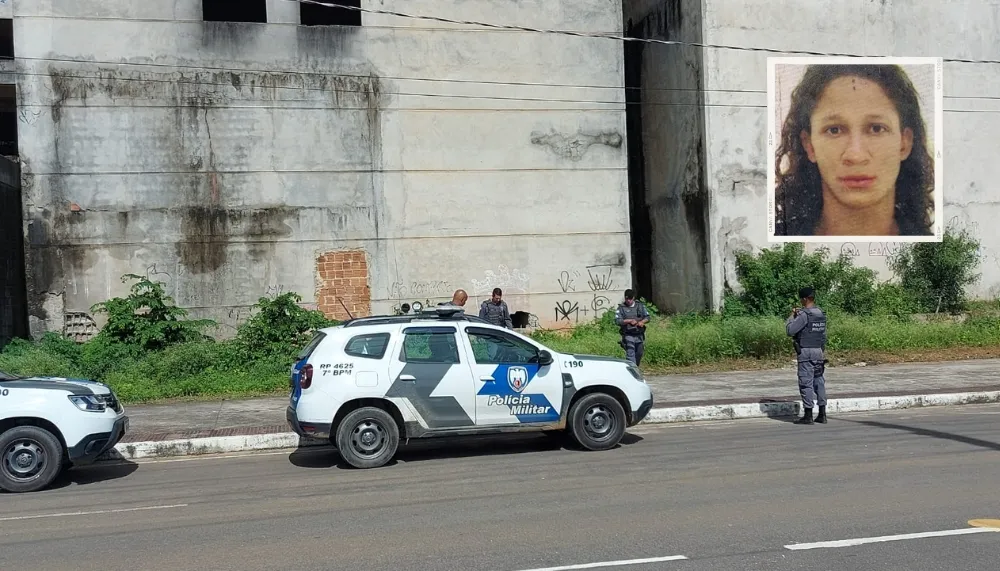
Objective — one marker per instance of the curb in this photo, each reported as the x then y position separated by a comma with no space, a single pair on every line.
665,415
833,406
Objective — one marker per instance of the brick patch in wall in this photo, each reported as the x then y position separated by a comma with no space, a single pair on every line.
343,281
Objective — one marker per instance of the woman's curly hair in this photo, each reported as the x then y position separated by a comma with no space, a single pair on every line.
799,192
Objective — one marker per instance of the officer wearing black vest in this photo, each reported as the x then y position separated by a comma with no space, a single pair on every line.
495,311
807,326
632,317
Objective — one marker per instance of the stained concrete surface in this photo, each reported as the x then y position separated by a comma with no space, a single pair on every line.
727,495
914,378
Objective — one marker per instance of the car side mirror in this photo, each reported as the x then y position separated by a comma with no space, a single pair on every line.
544,358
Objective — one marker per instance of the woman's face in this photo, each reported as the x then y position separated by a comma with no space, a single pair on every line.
857,143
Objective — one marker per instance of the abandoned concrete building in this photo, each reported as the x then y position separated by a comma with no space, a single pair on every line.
234,150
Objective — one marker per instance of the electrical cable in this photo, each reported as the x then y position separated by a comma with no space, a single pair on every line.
597,35
365,77
518,28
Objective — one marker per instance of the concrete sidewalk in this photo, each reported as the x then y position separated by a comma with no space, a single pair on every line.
236,425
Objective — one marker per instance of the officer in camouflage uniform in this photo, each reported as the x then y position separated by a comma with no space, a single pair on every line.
632,317
495,311
807,326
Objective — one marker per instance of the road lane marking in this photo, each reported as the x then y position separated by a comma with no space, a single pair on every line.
621,563
95,512
990,523
884,538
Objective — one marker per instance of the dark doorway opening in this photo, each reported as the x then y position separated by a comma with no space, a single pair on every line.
8,122
332,13
253,11
641,228
7,39
13,286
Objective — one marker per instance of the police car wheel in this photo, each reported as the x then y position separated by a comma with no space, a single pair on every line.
597,421
367,438
30,458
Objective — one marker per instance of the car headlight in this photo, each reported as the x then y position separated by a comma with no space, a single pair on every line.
89,403
635,372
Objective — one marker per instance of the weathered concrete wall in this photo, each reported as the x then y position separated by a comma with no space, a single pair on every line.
673,146
232,160
733,108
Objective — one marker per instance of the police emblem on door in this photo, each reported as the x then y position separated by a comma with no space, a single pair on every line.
517,378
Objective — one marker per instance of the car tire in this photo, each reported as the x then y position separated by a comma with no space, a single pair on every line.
597,421
367,437
30,459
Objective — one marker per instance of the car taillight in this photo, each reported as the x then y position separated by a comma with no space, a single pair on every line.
307,377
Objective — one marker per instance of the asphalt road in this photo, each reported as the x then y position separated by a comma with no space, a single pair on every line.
728,495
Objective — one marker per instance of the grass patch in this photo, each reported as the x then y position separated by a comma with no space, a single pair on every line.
717,343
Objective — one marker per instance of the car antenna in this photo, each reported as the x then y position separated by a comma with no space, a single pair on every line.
345,307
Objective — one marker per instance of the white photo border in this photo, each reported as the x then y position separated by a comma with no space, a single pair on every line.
938,139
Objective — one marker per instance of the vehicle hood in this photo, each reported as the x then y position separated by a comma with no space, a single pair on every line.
76,386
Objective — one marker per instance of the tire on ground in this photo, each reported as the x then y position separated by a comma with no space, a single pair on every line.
367,437
37,439
597,421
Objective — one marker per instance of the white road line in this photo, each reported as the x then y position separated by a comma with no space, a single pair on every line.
621,563
884,538
95,512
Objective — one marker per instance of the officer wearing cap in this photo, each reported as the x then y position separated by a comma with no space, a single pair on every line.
495,311
632,317
807,327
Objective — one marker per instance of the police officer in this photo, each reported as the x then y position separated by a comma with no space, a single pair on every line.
807,327
632,317
457,300
495,311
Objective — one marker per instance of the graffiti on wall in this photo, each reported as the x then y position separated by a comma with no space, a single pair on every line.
882,250
420,289
592,286
507,279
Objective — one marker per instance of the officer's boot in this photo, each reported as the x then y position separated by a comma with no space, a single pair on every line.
821,417
807,417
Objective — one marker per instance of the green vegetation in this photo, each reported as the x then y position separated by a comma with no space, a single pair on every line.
150,349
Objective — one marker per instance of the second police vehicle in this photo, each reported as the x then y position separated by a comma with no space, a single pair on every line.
370,383
51,424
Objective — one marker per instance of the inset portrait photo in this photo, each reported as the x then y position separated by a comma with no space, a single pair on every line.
854,149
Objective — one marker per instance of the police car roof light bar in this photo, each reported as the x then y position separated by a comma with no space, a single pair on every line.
443,313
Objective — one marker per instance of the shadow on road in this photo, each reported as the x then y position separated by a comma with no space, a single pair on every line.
96,473
782,410
450,447
928,432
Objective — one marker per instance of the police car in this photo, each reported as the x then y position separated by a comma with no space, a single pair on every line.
50,424
371,382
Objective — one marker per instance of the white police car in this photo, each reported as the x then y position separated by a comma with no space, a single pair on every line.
50,424
370,382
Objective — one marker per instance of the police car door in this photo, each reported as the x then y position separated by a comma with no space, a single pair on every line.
432,376
511,387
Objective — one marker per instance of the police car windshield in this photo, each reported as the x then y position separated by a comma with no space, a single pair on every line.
6,377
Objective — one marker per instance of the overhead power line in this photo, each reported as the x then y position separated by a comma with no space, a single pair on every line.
195,68
598,35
